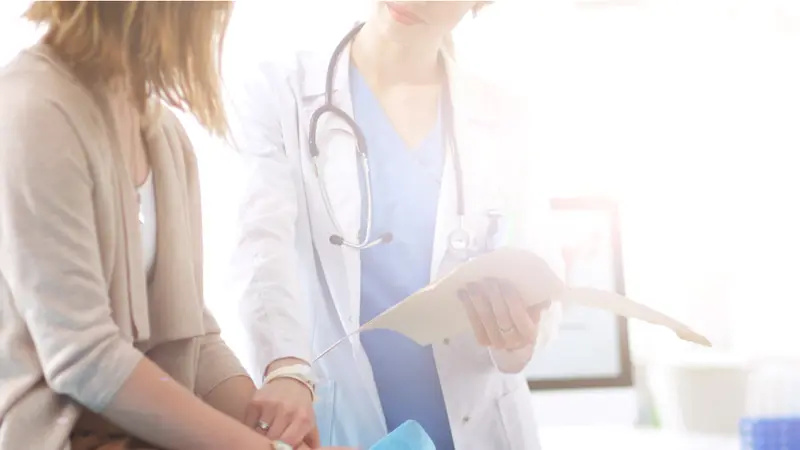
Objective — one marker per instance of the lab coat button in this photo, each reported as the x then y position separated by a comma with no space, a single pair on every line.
465,420
446,341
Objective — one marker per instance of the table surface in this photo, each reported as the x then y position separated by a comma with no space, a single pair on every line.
622,438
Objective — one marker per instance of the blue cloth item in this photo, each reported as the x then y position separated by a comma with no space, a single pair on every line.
405,189
776,433
408,436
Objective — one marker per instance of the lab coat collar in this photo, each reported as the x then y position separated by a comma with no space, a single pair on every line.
315,78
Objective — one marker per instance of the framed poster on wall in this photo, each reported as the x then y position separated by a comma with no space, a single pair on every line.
591,349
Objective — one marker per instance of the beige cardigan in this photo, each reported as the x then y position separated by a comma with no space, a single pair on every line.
77,313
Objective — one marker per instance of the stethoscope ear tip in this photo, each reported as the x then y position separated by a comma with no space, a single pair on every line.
336,239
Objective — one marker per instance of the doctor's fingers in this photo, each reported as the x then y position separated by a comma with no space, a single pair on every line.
478,328
509,314
515,325
501,314
481,304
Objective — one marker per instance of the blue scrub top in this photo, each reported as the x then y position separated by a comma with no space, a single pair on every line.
405,189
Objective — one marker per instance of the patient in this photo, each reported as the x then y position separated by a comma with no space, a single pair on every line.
104,338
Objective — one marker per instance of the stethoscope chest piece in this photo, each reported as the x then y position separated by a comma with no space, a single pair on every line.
459,242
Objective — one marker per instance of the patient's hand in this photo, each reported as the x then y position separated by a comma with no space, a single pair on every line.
286,405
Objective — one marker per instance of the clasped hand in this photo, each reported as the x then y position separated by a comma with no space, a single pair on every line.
286,407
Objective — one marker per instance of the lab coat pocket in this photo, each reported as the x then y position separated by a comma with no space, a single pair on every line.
324,410
516,411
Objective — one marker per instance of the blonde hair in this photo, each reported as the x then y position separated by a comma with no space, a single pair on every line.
169,49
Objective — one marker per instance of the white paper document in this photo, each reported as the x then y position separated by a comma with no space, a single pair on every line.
435,313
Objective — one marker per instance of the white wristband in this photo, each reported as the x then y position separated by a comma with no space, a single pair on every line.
298,372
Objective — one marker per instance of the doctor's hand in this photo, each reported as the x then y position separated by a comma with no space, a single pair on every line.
286,406
500,317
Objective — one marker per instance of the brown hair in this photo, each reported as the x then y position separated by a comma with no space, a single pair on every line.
170,49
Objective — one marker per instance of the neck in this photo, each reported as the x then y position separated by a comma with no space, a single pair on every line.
390,62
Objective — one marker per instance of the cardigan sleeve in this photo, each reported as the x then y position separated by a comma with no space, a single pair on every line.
50,256
217,363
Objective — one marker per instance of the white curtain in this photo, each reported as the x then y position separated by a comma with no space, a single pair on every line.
686,111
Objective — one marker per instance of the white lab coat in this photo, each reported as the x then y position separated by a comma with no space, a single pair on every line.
298,293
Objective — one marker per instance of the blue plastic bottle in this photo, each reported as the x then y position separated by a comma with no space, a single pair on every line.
408,436
773,416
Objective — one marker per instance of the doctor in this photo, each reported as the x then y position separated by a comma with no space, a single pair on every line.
373,169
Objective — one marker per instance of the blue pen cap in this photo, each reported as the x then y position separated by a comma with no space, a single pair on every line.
773,433
408,436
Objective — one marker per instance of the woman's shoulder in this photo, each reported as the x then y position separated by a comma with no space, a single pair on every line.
37,82
47,117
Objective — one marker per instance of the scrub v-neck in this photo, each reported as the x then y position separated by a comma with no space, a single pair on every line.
405,188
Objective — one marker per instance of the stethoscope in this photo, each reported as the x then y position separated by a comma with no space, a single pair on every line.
460,240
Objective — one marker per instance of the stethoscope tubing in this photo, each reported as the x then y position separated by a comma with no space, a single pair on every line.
365,242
